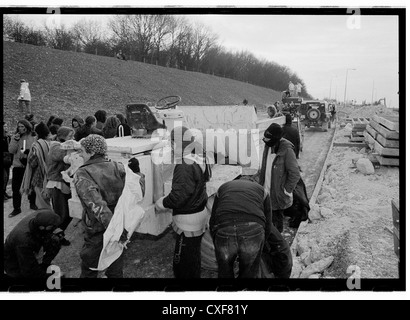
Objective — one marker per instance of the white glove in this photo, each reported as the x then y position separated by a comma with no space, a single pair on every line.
159,206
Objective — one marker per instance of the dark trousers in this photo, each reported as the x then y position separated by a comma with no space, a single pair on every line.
243,241
18,174
90,254
187,257
277,219
60,206
25,103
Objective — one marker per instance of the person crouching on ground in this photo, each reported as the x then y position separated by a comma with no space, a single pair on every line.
240,222
279,172
99,184
187,200
22,246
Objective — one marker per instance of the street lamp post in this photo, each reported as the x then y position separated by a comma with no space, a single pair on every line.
347,70
330,89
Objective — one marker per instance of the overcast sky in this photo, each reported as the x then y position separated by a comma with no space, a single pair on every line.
318,48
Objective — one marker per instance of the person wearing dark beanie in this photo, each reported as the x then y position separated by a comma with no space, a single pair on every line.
22,246
279,173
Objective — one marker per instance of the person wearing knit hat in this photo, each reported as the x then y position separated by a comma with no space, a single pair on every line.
20,145
279,173
58,190
22,246
99,183
187,200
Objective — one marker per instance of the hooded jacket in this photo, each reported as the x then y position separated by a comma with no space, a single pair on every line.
285,174
22,246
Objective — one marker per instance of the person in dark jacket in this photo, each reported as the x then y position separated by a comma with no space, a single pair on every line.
50,121
187,200
87,129
292,134
101,117
123,128
20,145
240,222
22,246
99,184
279,172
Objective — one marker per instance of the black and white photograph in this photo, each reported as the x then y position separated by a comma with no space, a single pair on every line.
203,148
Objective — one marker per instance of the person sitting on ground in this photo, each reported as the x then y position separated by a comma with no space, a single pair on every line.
87,129
101,117
240,222
123,128
23,244
110,127
292,134
121,56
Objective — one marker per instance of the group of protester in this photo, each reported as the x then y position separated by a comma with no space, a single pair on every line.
246,219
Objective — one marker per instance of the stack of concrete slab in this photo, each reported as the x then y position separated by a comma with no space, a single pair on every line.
358,127
382,136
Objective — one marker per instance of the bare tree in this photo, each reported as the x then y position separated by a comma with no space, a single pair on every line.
203,41
162,28
59,38
87,34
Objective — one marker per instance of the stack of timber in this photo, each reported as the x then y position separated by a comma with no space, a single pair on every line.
358,127
382,136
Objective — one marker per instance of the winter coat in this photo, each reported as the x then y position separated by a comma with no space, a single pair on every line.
285,174
99,184
55,162
188,194
24,92
21,248
15,149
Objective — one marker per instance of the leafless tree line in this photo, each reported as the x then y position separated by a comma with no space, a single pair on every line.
164,40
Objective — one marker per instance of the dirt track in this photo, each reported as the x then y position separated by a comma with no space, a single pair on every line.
148,257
